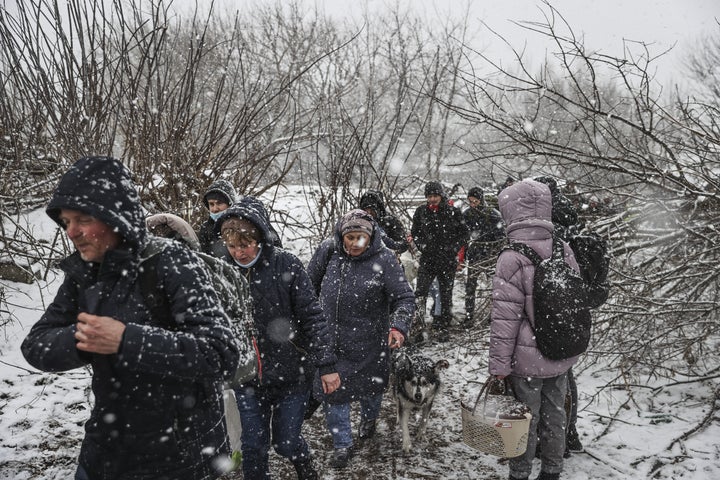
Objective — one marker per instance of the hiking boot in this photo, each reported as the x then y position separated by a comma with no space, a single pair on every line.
548,476
305,469
367,429
572,441
341,457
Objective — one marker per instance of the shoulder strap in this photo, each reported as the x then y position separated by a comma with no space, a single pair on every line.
526,250
152,291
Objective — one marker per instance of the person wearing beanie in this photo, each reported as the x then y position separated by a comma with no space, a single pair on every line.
355,270
143,359
439,232
395,238
486,236
293,339
218,197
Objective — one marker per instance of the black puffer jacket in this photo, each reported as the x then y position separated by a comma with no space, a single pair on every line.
486,232
293,336
439,234
158,411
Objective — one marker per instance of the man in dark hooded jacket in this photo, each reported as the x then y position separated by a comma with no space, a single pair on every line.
157,378
218,197
439,231
396,237
486,235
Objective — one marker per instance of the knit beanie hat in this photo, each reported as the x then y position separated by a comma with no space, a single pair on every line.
356,221
475,192
218,196
242,225
434,188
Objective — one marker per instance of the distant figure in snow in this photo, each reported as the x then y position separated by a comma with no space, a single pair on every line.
486,235
218,197
439,232
373,203
157,370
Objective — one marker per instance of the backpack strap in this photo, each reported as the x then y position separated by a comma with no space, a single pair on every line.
525,250
152,291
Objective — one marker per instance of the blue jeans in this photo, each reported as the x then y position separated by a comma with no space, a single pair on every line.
337,417
269,413
81,474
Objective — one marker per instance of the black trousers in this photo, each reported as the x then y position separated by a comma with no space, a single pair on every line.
446,279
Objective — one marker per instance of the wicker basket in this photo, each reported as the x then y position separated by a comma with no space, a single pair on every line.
499,427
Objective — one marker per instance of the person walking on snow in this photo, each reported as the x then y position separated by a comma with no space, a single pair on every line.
486,234
293,339
369,306
537,381
157,373
439,231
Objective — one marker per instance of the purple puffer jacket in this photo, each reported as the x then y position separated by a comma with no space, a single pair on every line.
526,208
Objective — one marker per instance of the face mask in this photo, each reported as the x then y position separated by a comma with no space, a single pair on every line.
215,216
253,261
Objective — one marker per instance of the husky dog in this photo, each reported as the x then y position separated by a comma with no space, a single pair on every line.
416,383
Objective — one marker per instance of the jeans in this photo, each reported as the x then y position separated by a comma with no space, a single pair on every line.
546,399
270,413
81,474
337,417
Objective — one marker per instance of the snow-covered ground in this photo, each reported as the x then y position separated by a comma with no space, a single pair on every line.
626,437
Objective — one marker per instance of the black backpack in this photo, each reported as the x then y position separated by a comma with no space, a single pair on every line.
233,292
593,258
561,303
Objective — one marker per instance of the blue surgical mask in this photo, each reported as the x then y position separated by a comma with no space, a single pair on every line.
253,261
215,216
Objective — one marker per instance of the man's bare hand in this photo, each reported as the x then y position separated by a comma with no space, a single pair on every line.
330,382
97,334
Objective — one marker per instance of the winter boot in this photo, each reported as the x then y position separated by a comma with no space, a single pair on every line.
367,429
548,476
341,457
305,469
572,441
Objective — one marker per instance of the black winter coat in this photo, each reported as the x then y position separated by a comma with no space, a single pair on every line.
439,235
158,411
293,335
396,237
486,232
363,297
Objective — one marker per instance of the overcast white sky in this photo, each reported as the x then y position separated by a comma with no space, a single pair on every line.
603,23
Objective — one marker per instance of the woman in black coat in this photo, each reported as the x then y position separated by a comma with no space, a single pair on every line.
370,306
293,340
